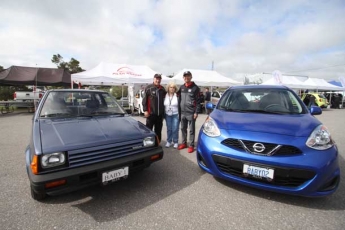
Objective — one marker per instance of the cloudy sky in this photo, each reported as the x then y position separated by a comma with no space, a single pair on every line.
239,36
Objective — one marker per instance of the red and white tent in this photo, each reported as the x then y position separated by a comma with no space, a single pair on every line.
115,74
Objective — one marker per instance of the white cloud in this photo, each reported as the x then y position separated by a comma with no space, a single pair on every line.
167,35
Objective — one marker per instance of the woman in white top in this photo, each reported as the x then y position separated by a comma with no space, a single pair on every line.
171,115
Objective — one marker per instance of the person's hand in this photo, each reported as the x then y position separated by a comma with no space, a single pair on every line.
146,114
195,115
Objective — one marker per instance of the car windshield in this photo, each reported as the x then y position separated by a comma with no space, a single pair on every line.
260,100
79,103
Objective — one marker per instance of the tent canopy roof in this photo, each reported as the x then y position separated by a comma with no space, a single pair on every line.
20,75
205,78
115,74
289,81
321,84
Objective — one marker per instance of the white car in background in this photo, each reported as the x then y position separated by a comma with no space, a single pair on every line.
215,96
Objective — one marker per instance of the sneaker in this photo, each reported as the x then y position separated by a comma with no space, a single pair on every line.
182,146
167,145
175,146
191,149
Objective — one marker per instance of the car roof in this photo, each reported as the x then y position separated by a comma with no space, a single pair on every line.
76,90
259,87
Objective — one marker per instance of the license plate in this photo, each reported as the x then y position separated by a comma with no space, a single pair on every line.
258,172
114,175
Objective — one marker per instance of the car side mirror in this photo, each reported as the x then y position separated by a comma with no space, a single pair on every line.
209,105
315,110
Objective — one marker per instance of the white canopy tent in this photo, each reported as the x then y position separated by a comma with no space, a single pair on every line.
205,78
289,81
115,74
321,84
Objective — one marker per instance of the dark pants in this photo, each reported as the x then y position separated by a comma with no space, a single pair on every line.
188,120
156,122
208,111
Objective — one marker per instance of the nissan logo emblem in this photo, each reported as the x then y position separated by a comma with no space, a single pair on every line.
258,147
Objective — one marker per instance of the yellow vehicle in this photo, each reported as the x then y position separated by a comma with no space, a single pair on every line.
320,99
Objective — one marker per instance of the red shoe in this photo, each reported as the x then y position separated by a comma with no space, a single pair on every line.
191,149
182,146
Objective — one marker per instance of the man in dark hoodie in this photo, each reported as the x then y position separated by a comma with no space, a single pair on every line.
189,105
153,105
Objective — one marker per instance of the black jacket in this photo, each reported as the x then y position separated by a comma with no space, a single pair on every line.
189,100
153,100
208,96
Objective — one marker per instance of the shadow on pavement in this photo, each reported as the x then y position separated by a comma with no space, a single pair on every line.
142,189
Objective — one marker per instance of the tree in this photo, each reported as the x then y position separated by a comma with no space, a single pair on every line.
1,68
72,66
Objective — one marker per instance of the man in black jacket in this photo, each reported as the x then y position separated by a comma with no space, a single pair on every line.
189,105
153,105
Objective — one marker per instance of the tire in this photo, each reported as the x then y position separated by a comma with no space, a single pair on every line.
37,196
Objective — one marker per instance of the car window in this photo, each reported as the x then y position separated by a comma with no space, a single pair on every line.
281,101
79,103
215,94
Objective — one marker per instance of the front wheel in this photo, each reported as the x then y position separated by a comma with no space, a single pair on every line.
37,196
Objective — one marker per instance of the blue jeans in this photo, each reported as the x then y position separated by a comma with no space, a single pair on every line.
172,123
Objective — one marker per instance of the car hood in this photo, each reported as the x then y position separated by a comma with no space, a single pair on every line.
64,134
300,125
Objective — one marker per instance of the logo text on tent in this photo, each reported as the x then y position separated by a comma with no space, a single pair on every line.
126,70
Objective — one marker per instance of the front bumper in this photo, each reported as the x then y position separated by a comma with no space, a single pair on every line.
317,172
78,178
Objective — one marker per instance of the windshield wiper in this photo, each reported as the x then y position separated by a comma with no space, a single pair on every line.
107,113
57,115
267,112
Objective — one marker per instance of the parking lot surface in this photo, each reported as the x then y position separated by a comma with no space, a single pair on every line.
171,194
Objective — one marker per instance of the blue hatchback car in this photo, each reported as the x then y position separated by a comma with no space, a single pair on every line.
265,137
81,138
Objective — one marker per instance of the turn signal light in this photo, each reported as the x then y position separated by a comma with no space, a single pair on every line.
55,183
34,165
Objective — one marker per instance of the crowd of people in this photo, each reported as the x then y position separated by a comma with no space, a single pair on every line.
178,106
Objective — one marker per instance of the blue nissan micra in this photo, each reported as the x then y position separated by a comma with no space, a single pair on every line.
265,137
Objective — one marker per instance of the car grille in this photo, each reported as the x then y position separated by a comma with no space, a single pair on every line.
289,177
97,154
270,149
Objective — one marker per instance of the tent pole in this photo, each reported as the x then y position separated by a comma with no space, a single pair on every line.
122,95
35,90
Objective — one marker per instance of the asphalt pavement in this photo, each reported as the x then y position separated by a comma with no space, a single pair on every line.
171,194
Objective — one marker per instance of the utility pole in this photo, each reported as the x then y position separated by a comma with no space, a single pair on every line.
212,65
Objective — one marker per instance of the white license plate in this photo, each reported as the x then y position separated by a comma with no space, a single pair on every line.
258,171
115,174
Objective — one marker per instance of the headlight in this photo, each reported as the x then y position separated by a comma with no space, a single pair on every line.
210,128
320,139
53,159
149,141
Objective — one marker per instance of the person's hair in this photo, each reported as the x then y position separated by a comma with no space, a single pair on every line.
171,84
206,88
